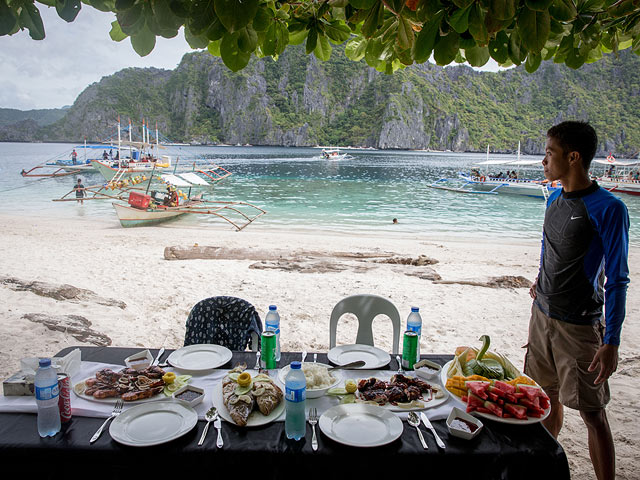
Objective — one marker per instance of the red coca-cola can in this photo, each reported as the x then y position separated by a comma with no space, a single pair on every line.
64,398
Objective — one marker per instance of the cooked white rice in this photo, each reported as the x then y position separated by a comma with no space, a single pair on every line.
317,376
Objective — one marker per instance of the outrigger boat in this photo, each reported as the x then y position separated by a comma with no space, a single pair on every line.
136,206
620,176
139,212
65,165
492,184
334,154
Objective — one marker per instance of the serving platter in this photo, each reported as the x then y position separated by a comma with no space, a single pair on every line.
199,358
311,392
372,356
512,421
255,418
153,424
408,407
360,425
78,391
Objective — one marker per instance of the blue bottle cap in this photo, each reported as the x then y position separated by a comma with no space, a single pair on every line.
272,307
415,309
295,365
45,362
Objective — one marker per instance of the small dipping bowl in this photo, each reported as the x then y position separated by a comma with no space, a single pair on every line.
427,369
139,361
461,424
189,395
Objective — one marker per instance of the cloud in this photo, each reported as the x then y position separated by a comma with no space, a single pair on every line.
51,73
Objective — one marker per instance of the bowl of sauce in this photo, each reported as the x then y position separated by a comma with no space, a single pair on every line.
463,425
189,395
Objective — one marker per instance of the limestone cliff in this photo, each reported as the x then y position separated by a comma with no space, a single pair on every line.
299,101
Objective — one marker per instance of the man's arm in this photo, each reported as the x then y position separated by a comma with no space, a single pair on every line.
614,233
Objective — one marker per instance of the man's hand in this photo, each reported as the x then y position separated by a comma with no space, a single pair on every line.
532,290
607,358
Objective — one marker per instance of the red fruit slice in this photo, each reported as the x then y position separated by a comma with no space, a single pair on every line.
518,411
494,408
479,388
504,386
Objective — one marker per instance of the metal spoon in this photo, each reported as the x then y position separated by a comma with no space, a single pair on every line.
315,357
400,370
304,355
210,416
356,364
414,421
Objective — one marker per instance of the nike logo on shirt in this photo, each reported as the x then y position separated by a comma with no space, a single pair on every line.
575,218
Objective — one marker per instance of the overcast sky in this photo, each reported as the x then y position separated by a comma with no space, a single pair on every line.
52,72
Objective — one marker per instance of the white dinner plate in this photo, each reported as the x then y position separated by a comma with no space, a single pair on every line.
153,423
373,357
200,358
513,421
360,425
255,418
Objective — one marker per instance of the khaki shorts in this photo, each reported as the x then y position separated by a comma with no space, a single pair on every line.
558,357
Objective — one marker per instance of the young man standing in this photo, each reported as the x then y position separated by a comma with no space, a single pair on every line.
571,354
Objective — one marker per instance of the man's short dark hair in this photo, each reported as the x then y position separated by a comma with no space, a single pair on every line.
578,137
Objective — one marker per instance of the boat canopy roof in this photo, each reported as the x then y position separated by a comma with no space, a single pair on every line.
510,162
617,163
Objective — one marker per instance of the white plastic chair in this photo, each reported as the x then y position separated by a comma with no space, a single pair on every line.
365,308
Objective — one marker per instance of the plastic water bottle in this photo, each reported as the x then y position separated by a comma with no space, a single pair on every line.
46,390
295,396
414,323
272,322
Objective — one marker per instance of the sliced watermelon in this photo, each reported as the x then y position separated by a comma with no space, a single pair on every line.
511,398
494,408
464,398
531,392
478,388
484,410
493,397
498,392
544,403
504,386
518,411
475,401
532,409
470,408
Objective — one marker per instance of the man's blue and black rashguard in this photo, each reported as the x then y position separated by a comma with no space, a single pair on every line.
585,238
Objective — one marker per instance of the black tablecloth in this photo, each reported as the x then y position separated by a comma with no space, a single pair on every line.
501,451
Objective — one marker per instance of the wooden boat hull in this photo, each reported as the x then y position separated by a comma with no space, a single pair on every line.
135,217
630,187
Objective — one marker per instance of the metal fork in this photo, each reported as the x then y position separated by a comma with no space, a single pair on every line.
313,420
117,410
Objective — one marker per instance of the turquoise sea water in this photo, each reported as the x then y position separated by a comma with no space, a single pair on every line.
299,190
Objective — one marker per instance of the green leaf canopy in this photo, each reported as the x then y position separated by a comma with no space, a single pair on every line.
388,34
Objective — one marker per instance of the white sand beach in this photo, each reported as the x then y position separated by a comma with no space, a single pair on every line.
132,296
